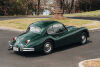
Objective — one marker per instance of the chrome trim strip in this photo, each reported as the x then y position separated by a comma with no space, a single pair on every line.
28,49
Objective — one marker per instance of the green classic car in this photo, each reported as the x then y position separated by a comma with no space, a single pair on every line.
46,35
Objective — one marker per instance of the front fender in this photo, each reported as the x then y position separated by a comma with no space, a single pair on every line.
84,29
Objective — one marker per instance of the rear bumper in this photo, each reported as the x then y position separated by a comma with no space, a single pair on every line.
10,46
27,49
19,49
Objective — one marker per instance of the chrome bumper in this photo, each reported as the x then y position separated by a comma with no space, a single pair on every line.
19,49
10,46
27,49
23,49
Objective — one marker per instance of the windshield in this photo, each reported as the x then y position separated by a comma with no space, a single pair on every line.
34,29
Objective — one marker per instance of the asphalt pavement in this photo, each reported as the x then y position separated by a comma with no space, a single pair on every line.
19,17
72,17
67,56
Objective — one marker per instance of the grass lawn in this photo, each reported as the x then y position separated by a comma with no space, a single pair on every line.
23,23
86,14
92,63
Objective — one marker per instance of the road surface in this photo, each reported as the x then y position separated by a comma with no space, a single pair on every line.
68,56
19,17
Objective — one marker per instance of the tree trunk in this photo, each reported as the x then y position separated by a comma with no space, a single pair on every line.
90,3
58,14
71,7
5,12
26,10
38,7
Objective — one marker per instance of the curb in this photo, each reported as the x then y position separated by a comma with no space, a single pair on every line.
95,29
81,63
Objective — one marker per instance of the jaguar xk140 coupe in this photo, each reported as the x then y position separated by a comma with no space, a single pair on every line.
46,35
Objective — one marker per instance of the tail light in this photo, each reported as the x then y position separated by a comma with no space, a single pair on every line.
13,38
27,41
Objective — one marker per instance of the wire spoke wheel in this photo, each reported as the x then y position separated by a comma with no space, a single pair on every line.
84,38
47,48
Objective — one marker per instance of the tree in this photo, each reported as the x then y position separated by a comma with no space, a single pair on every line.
27,7
38,7
59,10
71,7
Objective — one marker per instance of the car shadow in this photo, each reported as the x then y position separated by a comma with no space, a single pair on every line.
70,46
29,54
38,54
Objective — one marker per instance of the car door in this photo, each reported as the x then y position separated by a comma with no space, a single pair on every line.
73,35
58,32
61,35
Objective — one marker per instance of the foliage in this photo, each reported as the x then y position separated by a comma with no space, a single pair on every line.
18,7
95,14
28,7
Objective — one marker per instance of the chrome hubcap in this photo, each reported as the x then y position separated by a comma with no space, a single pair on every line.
83,39
47,48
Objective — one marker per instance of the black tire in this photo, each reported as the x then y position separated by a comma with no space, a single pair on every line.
47,47
83,38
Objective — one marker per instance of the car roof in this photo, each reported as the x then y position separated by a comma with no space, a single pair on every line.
43,23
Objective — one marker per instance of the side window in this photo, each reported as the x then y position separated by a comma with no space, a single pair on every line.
50,30
58,28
